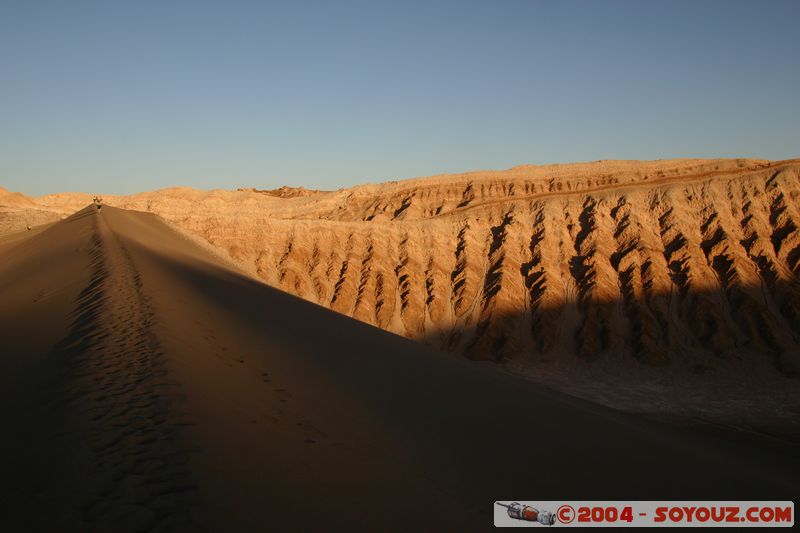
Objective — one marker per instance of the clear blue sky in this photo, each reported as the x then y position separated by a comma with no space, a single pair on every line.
120,97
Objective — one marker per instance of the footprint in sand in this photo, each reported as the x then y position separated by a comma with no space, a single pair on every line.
283,395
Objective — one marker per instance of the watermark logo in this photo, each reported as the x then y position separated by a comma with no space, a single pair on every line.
645,514
517,511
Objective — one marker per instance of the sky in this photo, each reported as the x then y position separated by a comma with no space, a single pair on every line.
121,97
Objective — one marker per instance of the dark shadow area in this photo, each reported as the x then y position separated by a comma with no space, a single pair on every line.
481,419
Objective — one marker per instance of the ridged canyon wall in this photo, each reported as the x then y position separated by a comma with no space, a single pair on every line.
684,263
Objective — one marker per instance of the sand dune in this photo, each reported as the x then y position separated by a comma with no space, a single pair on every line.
658,286
146,383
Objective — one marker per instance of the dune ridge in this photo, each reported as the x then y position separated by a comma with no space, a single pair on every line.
147,385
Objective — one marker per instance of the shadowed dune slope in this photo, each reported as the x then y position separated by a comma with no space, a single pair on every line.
146,384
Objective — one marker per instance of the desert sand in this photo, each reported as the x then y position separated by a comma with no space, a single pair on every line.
147,382
660,287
